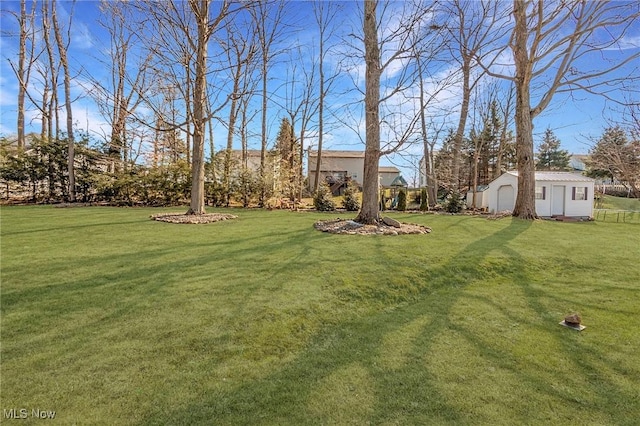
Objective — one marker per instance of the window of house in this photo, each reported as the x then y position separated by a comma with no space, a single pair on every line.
579,193
541,192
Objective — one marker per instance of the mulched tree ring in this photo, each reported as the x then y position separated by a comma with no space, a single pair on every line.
350,227
192,218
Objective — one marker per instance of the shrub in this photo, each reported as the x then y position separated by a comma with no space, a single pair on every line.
454,203
323,200
402,200
424,202
350,200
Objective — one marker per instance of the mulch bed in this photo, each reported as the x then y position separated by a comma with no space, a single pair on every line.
192,218
350,227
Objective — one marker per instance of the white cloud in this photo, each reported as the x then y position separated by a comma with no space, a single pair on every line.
81,37
626,43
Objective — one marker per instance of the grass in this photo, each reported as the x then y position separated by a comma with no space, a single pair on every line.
618,209
610,202
111,318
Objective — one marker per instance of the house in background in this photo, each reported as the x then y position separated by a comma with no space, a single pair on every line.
388,175
336,167
557,194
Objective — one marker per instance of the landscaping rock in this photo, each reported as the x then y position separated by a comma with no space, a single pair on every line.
573,319
391,222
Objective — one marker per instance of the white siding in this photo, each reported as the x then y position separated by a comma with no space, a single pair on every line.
504,180
554,201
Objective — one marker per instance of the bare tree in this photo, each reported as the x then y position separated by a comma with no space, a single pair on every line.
51,72
186,29
433,82
118,97
617,156
267,16
369,210
62,53
477,25
241,51
325,14
552,44
395,48
200,9
505,106
26,58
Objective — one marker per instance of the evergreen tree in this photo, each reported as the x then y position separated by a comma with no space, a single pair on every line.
402,200
550,156
350,201
444,162
322,200
424,202
287,150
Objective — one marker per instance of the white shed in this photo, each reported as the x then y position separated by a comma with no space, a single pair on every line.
557,194
482,200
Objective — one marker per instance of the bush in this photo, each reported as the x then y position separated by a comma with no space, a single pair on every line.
424,202
454,203
402,200
323,200
350,200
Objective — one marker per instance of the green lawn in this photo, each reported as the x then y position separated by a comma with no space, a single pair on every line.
618,203
111,318
617,209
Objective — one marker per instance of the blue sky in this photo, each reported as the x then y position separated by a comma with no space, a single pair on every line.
575,118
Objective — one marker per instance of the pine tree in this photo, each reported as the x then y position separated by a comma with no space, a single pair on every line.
550,156
350,201
402,200
322,200
287,151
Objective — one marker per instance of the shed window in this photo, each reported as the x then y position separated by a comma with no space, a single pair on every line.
541,192
579,193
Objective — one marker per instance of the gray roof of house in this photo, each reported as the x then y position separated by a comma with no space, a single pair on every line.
388,169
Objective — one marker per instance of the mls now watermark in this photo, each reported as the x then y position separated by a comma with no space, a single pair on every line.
24,413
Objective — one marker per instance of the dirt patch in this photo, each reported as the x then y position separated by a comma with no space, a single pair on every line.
192,218
348,226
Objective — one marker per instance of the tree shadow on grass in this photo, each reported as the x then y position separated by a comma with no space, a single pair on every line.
341,377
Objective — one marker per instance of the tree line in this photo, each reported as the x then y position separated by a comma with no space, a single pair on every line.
175,73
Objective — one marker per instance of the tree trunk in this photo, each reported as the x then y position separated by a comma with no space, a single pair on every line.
21,72
52,106
476,160
525,207
369,213
300,166
197,163
263,131
232,127
316,180
62,52
188,109
426,148
462,123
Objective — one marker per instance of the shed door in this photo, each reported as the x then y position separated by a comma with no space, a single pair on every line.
557,200
505,198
